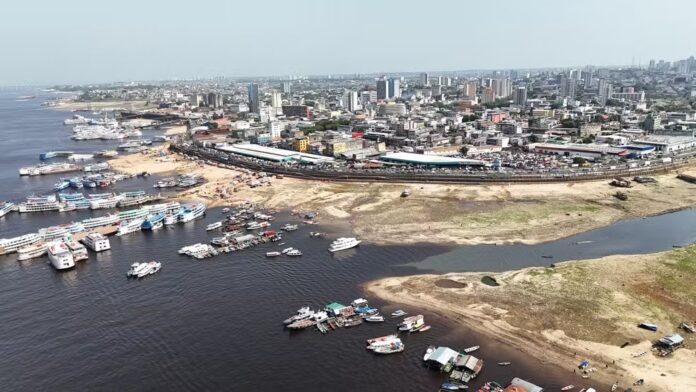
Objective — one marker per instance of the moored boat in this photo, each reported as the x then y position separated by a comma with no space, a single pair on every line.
59,255
214,226
343,244
32,251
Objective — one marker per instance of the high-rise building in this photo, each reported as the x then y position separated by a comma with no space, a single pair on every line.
501,87
470,88
368,96
276,99
425,79
254,106
604,91
651,65
214,100
567,87
521,96
652,122
394,88
488,95
588,79
351,102
382,89
285,87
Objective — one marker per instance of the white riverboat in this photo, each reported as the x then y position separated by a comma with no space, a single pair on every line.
97,242
343,243
59,255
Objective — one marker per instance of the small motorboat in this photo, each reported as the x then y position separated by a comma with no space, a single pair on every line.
375,318
422,329
225,210
281,244
687,327
394,347
398,313
471,349
615,386
273,254
428,351
287,250
452,386
584,364
567,387
214,226
648,326
294,253
504,363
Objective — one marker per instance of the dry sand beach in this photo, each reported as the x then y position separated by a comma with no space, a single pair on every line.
576,310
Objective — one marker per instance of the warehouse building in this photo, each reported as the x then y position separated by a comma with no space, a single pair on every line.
273,154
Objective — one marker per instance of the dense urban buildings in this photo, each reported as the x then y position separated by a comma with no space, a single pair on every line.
530,120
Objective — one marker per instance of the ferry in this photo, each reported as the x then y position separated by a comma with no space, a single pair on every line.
55,168
9,245
106,220
192,212
133,201
59,255
132,194
153,221
137,213
6,207
165,207
110,202
79,204
40,204
79,252
70,196
171,218
96,167
131,226
32,251
61,231
96,196
97,242
343,244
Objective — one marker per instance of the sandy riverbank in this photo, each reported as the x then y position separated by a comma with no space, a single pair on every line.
574,311
458,214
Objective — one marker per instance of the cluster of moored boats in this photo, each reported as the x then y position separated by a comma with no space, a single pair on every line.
336,315
181,181
63,254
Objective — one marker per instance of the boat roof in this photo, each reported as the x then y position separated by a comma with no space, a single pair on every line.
335,306
672,340
468,361
443,355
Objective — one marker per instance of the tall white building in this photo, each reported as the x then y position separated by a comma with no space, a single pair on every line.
567,87
351,102
275,128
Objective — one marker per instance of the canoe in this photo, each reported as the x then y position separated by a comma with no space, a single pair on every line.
471,349
567,387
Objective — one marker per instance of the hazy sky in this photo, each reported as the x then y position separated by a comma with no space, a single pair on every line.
73,41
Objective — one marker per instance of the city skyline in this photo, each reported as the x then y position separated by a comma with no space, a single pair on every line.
75,43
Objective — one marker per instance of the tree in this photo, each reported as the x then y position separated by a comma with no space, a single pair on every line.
533,138
464,150
579,160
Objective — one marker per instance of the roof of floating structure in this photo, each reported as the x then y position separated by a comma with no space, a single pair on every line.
434,160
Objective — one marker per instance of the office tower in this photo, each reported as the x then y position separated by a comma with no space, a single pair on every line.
425,79
394,88
382,89
521,96
588,79
567,88
276,99
470,88
351,101
501,87
285,87
604,91
254,106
